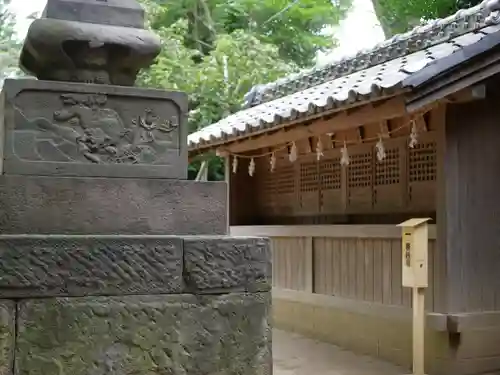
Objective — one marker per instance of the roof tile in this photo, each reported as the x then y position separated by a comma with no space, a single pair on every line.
370,74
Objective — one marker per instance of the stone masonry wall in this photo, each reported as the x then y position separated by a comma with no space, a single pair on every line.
141,305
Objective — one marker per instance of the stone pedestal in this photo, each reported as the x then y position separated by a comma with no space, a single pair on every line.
134,305
110,261
175,334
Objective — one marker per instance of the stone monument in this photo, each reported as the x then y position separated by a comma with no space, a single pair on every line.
111,261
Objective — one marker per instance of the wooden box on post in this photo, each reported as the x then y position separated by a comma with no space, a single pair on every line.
415,253
415,242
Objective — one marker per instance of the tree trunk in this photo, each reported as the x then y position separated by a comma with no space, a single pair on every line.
381,19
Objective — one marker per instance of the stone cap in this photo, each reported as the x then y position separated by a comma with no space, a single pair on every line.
126,13
91,41
47,49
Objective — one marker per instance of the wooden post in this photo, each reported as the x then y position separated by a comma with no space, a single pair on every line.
203,172
415,241
418,331
227,178
309,264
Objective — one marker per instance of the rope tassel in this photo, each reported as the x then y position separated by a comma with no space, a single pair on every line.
272,162
235,164
380,149
293,153
413,135
344,159
251,168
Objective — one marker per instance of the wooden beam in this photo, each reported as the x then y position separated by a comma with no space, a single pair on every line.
387,109
309,145
331,140
421,124
203,172
476,92
384,129
359,134
447,86
326,141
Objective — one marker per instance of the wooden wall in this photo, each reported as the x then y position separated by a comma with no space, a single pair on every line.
357,262
472,205
311,191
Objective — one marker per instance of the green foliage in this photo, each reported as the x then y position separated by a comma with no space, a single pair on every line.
215,167
294,26
216,51
398,16
217,82
9,44
242,56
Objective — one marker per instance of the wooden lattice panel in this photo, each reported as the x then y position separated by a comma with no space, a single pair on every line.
266,186
330,174
387,171
308,177
284,189
330,184
422,174
308,187
422,162
360,181
274,189
284,179
360,170
387,192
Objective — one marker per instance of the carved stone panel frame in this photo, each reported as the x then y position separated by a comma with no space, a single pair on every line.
73,129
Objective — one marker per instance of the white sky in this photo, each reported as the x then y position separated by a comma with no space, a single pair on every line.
23,10
359,30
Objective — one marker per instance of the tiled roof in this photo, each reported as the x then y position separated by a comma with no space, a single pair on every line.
366,76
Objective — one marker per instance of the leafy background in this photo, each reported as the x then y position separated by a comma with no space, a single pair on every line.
217,50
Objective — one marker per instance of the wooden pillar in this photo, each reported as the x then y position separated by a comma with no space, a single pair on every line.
438,122
472,189
309,264
227,178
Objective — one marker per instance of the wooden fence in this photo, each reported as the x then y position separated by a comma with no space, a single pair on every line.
358,262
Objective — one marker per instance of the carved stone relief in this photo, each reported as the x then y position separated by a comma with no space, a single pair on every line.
86,129
68,129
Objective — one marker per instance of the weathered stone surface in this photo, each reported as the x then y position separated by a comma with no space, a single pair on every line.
218,264
209,335
6,336
102,42
54,205
43,266
127,13
59,50
69,129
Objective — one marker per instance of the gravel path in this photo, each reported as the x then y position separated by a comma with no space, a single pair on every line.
297,355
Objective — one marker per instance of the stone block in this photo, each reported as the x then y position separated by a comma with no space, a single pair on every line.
127,13
56,205
222,264
184,334
86,130
44,266
6,337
